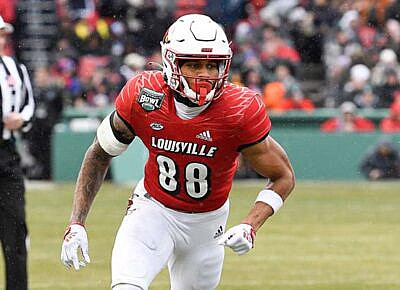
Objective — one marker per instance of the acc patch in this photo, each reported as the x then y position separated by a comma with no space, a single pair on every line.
150,100
156,126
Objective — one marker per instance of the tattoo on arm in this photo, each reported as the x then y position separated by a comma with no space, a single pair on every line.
91,176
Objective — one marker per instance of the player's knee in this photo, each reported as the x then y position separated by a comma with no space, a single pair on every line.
126,287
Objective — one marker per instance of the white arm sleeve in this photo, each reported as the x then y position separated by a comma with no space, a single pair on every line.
107,139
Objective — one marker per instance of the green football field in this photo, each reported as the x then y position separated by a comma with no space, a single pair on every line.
327,236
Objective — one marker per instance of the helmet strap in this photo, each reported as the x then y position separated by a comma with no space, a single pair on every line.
183,100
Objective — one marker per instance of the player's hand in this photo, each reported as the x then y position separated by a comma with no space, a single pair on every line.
75,237
239,238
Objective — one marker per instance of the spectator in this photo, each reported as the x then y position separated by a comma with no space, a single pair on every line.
358,89
275,48
252,80
64,71
245,51
102,87
337,61
294,97
274,96
383,162
389,90
100,98
277,8
336,53
373,12
309,27
387,60
350,22
347,121
392,30
392,10
325,13
64,49
285,93
391,123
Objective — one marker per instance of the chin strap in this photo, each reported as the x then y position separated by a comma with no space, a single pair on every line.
183,100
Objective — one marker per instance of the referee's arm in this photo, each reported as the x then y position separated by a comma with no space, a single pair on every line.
28,107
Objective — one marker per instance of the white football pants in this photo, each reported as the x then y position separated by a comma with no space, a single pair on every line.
152,236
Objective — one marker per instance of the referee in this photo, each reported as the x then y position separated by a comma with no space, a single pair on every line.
16,111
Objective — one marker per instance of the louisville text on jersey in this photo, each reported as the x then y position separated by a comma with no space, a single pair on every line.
183,147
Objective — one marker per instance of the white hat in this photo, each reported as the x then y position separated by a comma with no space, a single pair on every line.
297,14
347,107
8,28
359,72
135,60
347,18
388,56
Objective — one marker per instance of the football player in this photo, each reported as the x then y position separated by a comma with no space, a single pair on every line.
194,124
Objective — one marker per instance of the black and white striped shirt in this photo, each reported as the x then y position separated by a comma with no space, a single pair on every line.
15,94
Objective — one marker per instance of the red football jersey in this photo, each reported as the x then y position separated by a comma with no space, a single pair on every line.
191,163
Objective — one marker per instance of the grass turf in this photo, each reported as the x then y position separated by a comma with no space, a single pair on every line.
327,236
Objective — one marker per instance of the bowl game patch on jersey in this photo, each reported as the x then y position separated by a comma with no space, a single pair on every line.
150,100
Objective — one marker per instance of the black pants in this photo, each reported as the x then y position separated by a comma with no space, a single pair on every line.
13,230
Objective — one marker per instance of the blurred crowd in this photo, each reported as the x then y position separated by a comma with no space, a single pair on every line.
350,48
298,54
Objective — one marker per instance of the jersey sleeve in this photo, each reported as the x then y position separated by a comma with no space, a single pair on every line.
124,103
256,124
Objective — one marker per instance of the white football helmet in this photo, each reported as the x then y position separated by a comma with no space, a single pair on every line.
195,37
